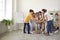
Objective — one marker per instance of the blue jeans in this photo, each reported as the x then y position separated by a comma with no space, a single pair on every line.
49,23
26,24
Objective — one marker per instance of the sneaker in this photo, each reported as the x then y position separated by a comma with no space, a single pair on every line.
56,31
43,32
24,32
50,33
29,33
47,34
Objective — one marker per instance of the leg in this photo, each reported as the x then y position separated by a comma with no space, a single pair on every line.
42,27
48,27
57,25
57,28
31,25
38,28
35,27
24,27
28,28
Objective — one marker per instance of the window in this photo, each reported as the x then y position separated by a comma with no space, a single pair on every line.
5,9
2,9
8,10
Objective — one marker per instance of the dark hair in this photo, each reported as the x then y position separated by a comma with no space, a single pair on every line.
34,15
31,10
44,10
37,13
57,14
40,12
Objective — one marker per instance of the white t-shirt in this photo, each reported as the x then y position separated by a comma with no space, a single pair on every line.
48,16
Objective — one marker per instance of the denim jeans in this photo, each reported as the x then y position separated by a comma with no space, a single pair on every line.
26,24
49,23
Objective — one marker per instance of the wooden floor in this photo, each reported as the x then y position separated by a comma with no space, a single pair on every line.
19,35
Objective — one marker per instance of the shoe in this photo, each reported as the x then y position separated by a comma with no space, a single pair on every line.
56,31
24,32
29,33
47,34
43,32
50,33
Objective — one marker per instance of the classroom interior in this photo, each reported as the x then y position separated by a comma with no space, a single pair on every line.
14,11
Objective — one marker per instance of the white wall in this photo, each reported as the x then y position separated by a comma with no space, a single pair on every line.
25,5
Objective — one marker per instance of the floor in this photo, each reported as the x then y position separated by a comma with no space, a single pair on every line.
19,35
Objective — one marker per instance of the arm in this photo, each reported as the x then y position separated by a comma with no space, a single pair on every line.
46,18
42,17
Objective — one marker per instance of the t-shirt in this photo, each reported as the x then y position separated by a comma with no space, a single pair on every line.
48,16
56,18
28,17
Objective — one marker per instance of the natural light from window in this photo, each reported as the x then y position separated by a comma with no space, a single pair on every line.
2,9
8,10
5,9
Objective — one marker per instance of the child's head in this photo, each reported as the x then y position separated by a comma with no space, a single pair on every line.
36,14
33,14
40,12
44,10
31,11
56,14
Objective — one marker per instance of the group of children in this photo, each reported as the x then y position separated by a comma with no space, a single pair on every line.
40,21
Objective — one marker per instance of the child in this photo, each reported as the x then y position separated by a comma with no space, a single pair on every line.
56,22
48,20
37,28
44,23
34,22
41,20
31,22
26,21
